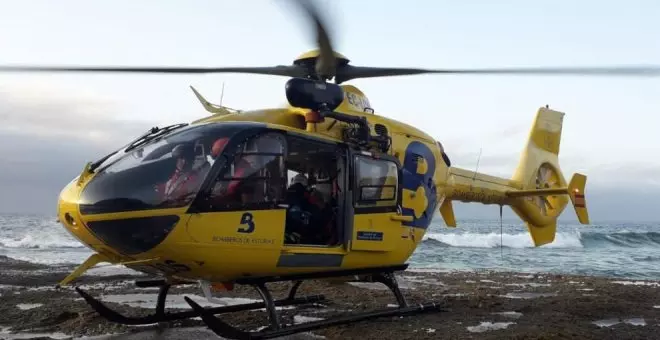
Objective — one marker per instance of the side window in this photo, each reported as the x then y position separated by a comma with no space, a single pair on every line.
376,182
255,176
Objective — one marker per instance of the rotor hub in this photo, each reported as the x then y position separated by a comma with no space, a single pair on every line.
310,57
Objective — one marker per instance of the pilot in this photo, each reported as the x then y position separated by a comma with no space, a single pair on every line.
184,180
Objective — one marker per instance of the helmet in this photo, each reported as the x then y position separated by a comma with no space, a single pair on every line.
185,151
299,178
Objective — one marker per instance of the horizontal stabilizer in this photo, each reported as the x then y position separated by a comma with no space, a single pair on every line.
537,192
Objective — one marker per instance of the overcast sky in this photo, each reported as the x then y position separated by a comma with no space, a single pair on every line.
52,124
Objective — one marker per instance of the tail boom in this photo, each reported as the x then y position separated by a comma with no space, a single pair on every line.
470,186
474,187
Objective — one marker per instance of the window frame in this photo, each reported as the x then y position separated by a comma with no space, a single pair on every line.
201,203
338,149
357,189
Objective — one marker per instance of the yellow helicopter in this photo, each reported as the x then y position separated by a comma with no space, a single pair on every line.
321,189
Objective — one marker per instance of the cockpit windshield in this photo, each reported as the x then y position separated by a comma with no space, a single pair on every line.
162,173
146,137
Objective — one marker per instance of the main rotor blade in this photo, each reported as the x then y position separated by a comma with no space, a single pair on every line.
353,72
282,70
326,63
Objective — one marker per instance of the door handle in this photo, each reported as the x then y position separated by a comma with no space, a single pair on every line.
401,218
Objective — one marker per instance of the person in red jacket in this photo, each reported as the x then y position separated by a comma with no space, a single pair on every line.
218,146
243,188
184,181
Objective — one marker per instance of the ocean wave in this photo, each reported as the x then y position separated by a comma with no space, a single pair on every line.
44,241
574,239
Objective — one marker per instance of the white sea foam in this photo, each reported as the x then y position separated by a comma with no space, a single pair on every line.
42,241
6,334
489,326
616,321
492,240
637,283
27,306
511,314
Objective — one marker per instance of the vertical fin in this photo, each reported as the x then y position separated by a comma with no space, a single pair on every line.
544,234
576,193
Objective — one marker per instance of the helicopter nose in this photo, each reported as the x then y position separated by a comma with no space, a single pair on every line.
67,215
124,235
131,236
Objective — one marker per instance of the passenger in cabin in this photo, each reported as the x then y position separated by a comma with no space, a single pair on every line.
299,179
311,212
250,172
298,193
243,179
241,186
217,147
323,191
302,214
325,200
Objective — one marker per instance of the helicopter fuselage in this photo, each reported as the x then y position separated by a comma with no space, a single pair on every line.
382,202
288,190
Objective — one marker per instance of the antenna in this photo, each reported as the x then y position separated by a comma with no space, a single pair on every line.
222,94
501,235
477,169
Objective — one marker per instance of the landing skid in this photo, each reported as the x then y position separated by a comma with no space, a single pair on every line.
161,316
383,275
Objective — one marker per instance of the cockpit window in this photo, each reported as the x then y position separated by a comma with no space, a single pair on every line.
164,173
377,181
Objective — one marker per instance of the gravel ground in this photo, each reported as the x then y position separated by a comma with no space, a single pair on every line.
480,305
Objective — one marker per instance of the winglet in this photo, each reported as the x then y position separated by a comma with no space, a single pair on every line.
91,261
576,193
447,212
95,259
216,109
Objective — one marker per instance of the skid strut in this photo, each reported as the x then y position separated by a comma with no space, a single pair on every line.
161,316
276,329
383,275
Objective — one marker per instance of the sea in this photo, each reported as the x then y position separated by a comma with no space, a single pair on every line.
617,249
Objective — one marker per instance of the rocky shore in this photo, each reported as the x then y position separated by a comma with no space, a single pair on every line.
480,305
